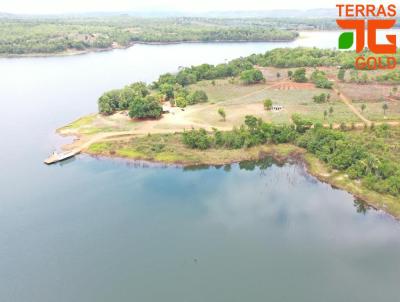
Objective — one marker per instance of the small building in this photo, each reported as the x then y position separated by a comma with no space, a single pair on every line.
277,108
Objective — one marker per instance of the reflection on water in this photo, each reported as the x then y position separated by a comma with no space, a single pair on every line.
361,206
278,178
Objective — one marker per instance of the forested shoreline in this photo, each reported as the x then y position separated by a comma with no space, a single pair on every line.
30,36
367,156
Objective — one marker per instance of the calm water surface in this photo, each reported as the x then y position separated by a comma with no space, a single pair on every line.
104,230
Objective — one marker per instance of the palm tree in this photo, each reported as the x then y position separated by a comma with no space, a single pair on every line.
363,107
385,107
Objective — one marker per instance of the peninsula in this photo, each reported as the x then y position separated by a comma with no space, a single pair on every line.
302,103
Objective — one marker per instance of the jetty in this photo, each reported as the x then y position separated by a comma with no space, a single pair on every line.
56,157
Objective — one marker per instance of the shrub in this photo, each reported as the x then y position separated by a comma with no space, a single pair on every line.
197,139
319,99
222,113
181,102
198,96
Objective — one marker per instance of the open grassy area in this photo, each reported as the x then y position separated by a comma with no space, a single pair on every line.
374,110
239,100
168,148
97,123
225,89
365,92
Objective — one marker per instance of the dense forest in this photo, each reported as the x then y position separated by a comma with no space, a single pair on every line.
55,35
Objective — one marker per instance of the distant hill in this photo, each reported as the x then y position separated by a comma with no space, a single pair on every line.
6,15
279,13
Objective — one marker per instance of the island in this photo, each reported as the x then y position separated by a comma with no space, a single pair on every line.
303,104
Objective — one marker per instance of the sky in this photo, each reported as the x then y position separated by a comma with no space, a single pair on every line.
80,6
68,6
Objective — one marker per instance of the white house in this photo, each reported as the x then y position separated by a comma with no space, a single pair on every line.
277,108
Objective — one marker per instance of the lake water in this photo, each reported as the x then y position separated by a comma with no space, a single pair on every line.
105,230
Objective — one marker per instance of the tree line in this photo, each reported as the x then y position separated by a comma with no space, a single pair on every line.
338,149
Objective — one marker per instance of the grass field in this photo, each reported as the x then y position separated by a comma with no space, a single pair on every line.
168,148
239,100
365,92
374,111
97,123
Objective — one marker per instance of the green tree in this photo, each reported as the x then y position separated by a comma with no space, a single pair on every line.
341,74
180,102
251,122
251,76
109,102
299,75
222,113
320,80
290,74
320,98
385,107
330,110
145,107
198,96
167,90
186,77
267,104
325,114
197,139
302,125
363,107
140,88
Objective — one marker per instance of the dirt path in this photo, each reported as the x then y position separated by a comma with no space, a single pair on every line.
366,121
171,123
349,104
